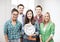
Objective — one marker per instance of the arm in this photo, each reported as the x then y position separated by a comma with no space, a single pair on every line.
40,38
52,32
37,28
40,34
6,38
20,32
5,32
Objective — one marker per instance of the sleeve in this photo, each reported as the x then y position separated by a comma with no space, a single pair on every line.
40,30
53,28
37,28
22,30
5,28
20,26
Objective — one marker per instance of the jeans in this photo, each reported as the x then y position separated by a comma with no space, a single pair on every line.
16,40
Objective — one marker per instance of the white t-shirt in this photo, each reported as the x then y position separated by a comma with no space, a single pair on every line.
20,18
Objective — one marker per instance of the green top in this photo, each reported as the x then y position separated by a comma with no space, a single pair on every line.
50,29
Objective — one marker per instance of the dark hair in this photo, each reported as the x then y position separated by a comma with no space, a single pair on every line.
20,5
39,6
14,10
32,19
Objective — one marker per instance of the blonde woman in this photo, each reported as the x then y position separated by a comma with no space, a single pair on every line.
47,28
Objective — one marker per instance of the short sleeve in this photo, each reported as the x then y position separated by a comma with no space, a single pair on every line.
53,28
5,28
37,28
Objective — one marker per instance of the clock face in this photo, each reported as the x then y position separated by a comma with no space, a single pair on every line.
29,29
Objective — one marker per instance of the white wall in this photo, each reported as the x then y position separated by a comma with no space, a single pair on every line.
28,4
4,15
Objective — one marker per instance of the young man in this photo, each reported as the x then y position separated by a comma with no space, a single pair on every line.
20,8
12,28
21,16
38,17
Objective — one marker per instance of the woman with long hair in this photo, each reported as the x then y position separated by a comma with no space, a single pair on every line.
47,29
30,27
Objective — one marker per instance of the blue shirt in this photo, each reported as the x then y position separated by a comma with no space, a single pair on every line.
13,32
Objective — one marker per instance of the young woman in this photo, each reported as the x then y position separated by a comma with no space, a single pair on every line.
47,29
29,21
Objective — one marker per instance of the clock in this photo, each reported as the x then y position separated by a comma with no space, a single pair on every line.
29,29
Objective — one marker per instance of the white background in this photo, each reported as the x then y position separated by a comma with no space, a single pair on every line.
52,6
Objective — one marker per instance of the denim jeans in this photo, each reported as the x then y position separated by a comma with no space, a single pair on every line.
26,40
16,40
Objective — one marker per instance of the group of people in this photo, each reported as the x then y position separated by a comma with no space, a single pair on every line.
14,27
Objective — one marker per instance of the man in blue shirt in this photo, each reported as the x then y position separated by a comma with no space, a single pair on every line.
12,28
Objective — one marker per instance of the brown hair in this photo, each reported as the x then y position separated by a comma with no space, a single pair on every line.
14,9
39,6
20,5
26,18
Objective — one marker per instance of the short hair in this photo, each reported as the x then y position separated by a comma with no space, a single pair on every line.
39,6
14,9
20,5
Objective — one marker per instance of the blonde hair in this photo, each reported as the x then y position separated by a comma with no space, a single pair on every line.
49,17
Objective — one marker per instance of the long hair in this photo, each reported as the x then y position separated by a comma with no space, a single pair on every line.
49,17
32,19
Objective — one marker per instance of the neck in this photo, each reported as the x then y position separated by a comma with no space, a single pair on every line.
29,21
39,15
46,23
13,20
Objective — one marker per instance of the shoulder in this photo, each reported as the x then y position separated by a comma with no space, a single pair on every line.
19,22
23,15
36,22
52,23
35,17
7,22
41,23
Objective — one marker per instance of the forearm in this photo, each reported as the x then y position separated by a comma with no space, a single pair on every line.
40,38
6,38
51,37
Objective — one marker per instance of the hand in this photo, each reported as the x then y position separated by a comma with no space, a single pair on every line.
33,35
40,40
47,41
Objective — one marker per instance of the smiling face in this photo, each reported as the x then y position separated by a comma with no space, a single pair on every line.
20,9
38,10
14,15
29,15
47,17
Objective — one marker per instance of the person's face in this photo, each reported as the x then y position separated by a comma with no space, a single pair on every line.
14,15
38,10
46,17
29,15
20,9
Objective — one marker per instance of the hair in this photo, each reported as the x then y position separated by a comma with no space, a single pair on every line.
20,5
48,15
32,19
39,6
14,9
